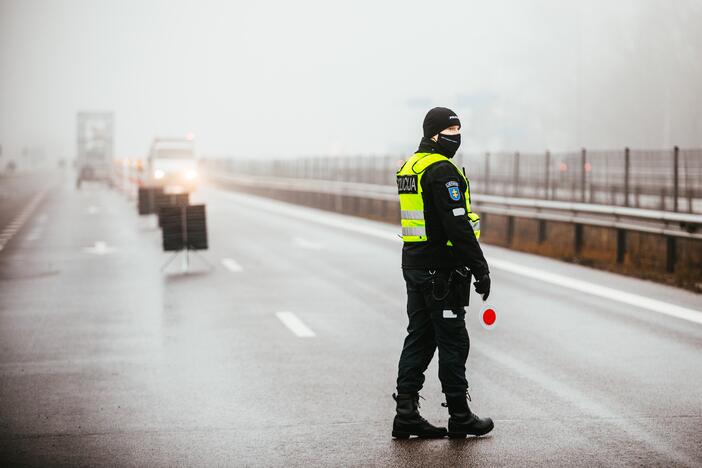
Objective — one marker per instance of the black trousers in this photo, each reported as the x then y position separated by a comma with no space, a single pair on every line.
432,326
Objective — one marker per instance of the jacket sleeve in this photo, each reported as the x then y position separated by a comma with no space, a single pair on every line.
453,217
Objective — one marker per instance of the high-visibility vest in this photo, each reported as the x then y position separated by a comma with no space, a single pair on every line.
409,186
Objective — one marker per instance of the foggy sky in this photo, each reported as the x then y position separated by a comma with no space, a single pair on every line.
282,79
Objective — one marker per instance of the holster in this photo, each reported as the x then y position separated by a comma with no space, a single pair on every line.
447,289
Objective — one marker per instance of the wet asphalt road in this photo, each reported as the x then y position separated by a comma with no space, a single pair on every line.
17,190
105,360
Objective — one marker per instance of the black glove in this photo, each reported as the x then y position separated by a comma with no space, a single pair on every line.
482,286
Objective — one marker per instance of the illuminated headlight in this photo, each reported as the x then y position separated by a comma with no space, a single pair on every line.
158,174
191,174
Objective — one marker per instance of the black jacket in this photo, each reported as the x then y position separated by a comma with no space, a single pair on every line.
442,223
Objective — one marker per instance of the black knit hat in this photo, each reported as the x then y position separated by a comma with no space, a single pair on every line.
439,119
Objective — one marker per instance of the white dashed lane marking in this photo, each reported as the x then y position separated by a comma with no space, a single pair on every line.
295,325
100,248
307,244
34,234
231,265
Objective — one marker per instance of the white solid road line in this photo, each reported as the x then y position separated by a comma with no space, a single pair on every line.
338,221
581,400
295,325
231,265
655,305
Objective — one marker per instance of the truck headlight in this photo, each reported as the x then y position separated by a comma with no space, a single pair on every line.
159,174
191,174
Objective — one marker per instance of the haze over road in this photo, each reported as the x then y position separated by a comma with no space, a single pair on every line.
308,78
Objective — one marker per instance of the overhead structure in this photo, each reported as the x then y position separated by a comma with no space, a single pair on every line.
95,147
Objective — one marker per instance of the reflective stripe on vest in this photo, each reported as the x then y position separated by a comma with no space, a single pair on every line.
412,214
409,186
414,231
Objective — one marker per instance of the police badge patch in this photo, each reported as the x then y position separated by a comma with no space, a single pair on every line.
454,193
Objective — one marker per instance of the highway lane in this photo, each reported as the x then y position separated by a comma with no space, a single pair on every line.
106,360
16,189
20,193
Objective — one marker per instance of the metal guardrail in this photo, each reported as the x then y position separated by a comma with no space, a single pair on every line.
681,225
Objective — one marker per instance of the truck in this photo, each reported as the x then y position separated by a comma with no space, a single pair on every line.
94,147
172,165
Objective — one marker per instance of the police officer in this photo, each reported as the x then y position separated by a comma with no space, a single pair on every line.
439,256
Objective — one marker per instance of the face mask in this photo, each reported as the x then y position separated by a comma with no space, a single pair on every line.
448,144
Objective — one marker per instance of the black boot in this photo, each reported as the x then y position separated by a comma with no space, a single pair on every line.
462,421
408,422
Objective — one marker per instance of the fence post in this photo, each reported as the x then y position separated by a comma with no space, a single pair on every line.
541,233
583,174
578,239
388,167
547,173
460,160
515,175
626,176
621,245
676,174
671,254
510,230
486,187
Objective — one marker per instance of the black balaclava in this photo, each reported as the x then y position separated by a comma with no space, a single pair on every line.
437,120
